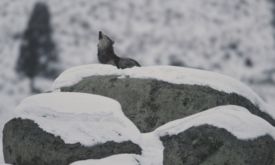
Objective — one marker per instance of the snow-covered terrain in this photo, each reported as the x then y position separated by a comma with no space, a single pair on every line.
234,119
51,117
171,74
233,37
91,119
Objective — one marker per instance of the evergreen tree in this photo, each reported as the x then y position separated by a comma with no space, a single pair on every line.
38,56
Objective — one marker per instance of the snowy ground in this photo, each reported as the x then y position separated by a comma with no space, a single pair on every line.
216,35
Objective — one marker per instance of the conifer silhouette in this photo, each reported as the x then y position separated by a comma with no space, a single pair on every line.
38,55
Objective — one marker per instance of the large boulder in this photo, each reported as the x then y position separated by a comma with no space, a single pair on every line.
25,143
60,128
208,145
226,135
151,100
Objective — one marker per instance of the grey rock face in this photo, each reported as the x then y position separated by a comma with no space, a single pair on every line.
208,145
151,103
24,143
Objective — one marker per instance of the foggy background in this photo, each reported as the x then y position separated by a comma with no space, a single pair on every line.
40,39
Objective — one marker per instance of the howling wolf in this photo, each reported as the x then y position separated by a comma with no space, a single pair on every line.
106,54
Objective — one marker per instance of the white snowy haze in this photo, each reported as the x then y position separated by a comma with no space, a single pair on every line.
232,37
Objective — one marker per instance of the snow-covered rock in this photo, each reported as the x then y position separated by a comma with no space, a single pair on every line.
226,134
222,135
171,74
211,145
72,115
235,119
152,96
74,125
123,159
168,115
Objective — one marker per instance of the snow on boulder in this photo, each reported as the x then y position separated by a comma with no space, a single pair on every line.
235,119
221,135
171,74
79,117
122,159
152,96
59,128
74,128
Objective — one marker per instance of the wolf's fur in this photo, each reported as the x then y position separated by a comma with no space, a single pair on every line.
106,54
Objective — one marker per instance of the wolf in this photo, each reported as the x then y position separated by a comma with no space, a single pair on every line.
106,54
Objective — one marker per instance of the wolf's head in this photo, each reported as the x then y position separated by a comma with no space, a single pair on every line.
105,48
104,41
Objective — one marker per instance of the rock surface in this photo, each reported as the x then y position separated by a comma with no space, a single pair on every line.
24,143
208,145
151,103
